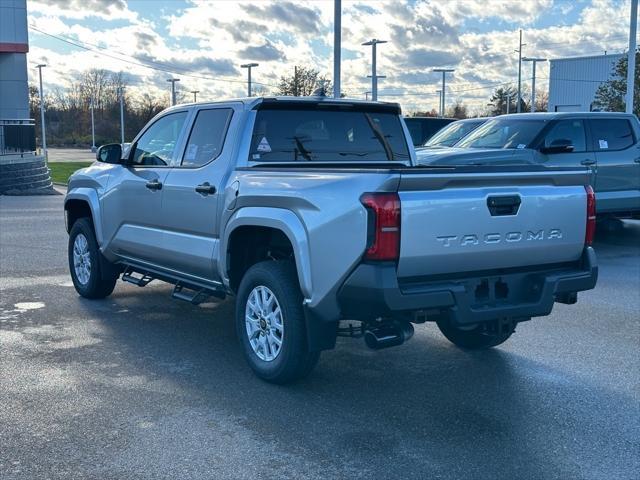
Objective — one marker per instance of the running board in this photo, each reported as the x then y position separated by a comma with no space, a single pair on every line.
142,281
185,291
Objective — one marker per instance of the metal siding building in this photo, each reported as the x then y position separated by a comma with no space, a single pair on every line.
573,81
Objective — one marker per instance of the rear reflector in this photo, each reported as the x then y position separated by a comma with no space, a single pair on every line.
590,232
383,236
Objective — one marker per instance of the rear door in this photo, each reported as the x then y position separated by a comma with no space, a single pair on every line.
617,151
192,192
133,201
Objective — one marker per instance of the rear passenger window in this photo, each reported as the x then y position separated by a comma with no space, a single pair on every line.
207,137
611,134
572,130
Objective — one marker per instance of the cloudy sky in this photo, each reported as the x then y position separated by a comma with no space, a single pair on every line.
204,42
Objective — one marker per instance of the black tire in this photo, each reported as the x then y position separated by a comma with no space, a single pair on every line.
102,275
294,360
480,337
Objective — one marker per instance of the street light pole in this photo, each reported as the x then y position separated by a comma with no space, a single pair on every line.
520,72
337,39
533,79
195,95
121,95
631,59
444,72
439,92
249,66
93,131
44,134
374,76
173,89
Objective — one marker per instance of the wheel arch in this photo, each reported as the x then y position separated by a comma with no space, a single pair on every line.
278,221
81,203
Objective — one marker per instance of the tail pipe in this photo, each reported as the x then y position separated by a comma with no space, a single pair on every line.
388,335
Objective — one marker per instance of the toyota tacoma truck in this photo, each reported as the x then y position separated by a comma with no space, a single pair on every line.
313,213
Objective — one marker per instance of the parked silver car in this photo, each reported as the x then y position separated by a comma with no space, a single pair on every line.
607,143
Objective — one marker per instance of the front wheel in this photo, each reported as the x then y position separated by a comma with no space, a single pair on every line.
270,323
93,277
477,337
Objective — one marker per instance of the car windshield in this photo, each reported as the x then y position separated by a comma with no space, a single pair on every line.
320,134
452,133
503,133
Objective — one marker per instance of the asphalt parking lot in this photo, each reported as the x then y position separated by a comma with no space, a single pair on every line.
139,386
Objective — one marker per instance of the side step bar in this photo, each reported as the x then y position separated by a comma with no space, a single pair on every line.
182,290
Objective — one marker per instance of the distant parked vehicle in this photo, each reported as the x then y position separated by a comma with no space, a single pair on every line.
608,143
454,132
423,128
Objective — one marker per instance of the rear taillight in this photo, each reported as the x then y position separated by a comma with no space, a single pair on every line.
591,216
383,235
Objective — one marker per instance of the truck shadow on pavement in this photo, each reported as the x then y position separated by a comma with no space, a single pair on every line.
422,408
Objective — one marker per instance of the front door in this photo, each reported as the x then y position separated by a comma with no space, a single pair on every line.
192,195
132,203
573,131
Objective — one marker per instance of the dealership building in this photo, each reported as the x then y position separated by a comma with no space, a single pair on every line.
573,82
22,170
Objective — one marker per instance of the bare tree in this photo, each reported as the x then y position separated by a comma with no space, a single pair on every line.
303,82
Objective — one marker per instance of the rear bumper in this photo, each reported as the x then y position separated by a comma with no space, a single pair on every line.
373,291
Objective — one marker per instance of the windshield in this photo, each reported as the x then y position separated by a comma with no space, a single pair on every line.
453,132
503,133
321,134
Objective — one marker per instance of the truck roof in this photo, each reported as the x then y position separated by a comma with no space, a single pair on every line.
251,102
554,115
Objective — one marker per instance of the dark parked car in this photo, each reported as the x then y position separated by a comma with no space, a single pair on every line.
423,128
454,132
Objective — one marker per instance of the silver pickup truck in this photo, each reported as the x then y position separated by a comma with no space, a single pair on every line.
313,214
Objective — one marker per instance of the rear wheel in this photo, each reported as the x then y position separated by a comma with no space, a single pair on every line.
92,275
270,323
477,337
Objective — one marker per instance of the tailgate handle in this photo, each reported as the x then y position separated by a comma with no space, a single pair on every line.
503,205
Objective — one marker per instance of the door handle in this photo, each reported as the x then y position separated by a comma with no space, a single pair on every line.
154,185
206,189
588,162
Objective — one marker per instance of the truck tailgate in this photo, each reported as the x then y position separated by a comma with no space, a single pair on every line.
455,223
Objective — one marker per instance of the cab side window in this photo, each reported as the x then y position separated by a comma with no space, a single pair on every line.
571,130
207,137
157,145
611,134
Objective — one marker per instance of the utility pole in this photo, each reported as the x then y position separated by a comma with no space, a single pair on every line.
631,59
93,131
249,66
195,95
121,95
508,103
42,127
337,34
444,71
173,89
374,76
295,81
533,61
520,72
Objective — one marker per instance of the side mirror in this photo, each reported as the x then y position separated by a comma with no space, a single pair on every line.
110,153
559,145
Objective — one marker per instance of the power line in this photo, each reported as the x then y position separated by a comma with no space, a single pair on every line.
174,69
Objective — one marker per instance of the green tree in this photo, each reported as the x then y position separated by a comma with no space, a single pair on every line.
498,101
303,82
611,94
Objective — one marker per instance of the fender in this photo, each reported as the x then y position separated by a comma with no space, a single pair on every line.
280,219
90,196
